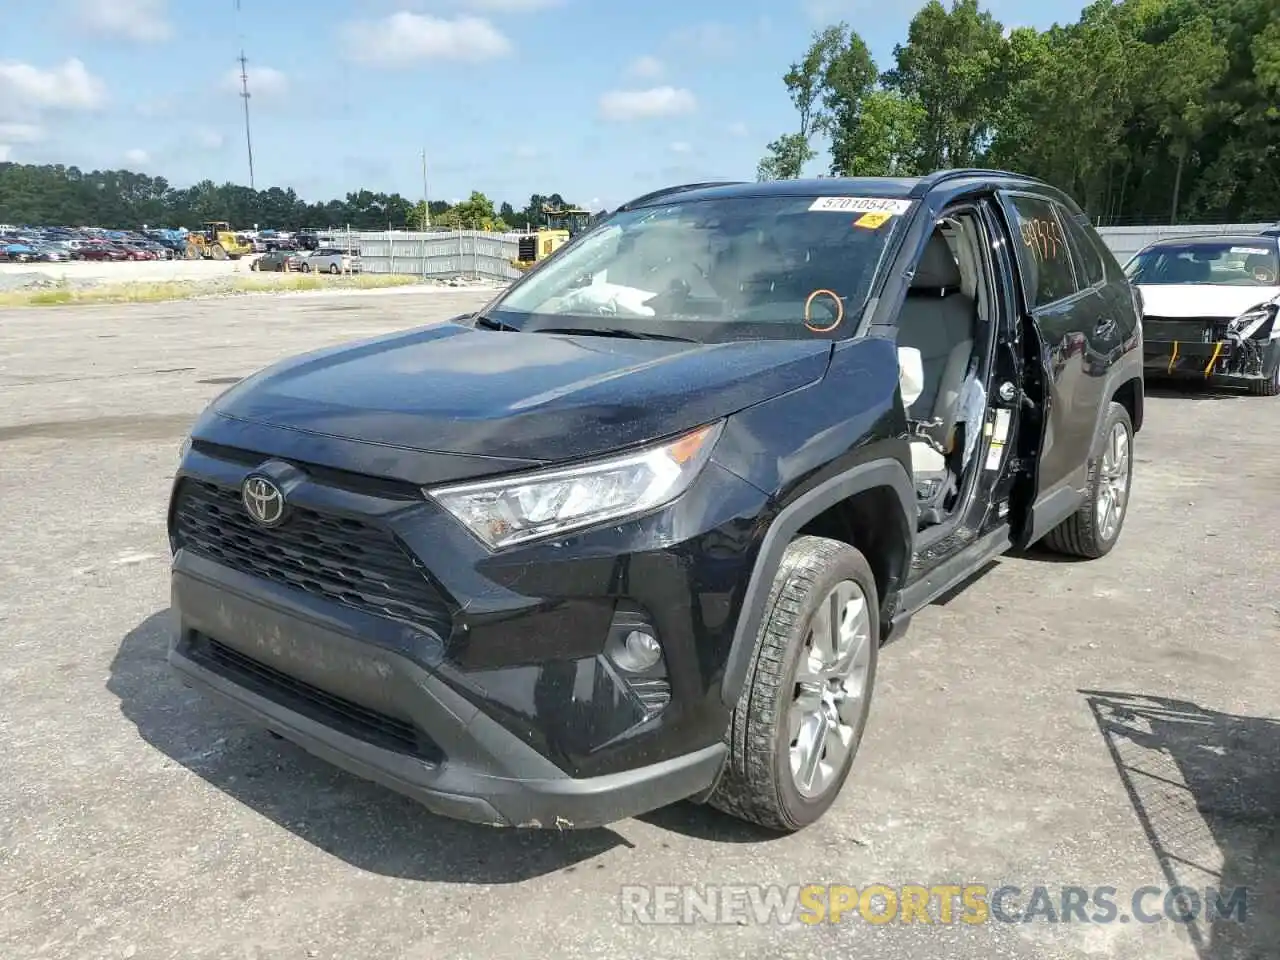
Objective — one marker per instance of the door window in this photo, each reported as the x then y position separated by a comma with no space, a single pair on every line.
1044,257
1084,250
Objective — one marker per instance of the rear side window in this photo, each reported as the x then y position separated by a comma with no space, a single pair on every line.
1084,250
1044,256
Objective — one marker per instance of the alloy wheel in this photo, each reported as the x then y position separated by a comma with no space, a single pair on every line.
826,712
1113,482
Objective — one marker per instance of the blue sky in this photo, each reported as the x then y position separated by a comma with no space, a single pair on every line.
598,100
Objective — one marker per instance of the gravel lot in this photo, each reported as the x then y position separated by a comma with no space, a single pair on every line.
1091,724
127,272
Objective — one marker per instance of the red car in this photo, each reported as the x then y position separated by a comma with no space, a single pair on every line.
101,251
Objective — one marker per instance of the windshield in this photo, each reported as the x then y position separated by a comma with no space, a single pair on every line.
709,270
1232,263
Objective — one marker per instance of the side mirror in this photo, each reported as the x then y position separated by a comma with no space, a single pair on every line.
910,375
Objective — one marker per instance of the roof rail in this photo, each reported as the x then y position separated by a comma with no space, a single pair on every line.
929,181
682,188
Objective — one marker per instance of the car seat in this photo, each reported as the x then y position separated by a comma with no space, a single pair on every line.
938,320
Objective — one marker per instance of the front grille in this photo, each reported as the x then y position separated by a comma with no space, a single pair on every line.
1186,329
340,559
371,726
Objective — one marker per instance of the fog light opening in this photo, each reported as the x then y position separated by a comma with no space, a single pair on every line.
639,652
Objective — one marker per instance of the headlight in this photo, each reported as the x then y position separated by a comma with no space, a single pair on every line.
184,449
533,505
1257,322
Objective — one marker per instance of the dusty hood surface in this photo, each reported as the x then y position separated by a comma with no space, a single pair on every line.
1174,300
546,397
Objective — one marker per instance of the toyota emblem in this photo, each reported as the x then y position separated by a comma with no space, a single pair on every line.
263,501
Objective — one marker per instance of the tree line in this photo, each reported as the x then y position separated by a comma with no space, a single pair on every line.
120,199
1146,111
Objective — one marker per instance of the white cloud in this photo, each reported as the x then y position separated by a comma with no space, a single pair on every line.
737,129
136,156
641,104
263,81
646,68
681,146
405,38
21,133
142,21
512,6
716,39
829,11
5,151
525,151
209,138
69,86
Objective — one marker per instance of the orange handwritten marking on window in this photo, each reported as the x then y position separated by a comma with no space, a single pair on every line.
808,306
1044,238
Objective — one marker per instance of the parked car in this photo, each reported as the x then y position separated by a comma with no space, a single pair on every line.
636,531
15,252
278,261
1211,307
331,260
101,252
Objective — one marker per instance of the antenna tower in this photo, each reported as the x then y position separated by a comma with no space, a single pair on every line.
244,94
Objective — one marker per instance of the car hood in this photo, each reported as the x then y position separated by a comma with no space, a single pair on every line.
513,396
1175,300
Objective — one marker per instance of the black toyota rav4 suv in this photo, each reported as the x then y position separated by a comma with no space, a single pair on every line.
636,531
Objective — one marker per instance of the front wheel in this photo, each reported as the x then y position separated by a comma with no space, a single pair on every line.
334,269
306,268
1093,530
799,721
1268,387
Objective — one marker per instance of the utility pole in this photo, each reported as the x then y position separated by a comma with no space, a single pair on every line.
426,207
244,93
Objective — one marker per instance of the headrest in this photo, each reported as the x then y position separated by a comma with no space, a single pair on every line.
937,267
1259,264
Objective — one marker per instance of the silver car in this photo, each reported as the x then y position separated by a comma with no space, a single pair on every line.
332,260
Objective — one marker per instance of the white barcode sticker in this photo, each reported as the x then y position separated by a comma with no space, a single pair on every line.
860,205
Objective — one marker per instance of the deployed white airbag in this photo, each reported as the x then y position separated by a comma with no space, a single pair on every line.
910,374
608,298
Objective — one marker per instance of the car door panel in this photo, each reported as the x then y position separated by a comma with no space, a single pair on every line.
1065,328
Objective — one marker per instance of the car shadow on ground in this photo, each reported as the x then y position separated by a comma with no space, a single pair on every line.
1191,390
1206,789
362,823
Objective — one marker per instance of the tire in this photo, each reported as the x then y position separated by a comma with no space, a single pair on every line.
1084,533
306,268
1266,388
758,784
334,269
254,266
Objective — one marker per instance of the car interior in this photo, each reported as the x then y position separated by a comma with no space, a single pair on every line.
945,333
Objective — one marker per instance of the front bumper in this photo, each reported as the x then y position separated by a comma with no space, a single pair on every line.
469,767
1223,359
485,694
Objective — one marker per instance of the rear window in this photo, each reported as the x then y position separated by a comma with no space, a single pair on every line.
1232,263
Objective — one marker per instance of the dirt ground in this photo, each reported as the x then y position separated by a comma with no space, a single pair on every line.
1106,724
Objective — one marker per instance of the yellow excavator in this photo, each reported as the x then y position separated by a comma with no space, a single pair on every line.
560,225
216,242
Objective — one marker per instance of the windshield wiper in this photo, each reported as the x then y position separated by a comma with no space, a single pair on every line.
613,332
490,324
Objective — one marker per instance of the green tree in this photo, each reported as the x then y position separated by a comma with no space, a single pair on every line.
785,158
951,65
885,141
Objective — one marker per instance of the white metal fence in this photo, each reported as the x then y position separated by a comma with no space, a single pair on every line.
475,253
1126,241
452,253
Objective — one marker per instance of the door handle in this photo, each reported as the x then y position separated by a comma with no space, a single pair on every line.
1105,327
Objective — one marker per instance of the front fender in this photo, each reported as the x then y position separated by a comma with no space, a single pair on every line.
887,473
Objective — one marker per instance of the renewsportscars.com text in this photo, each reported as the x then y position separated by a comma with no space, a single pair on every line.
970,903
